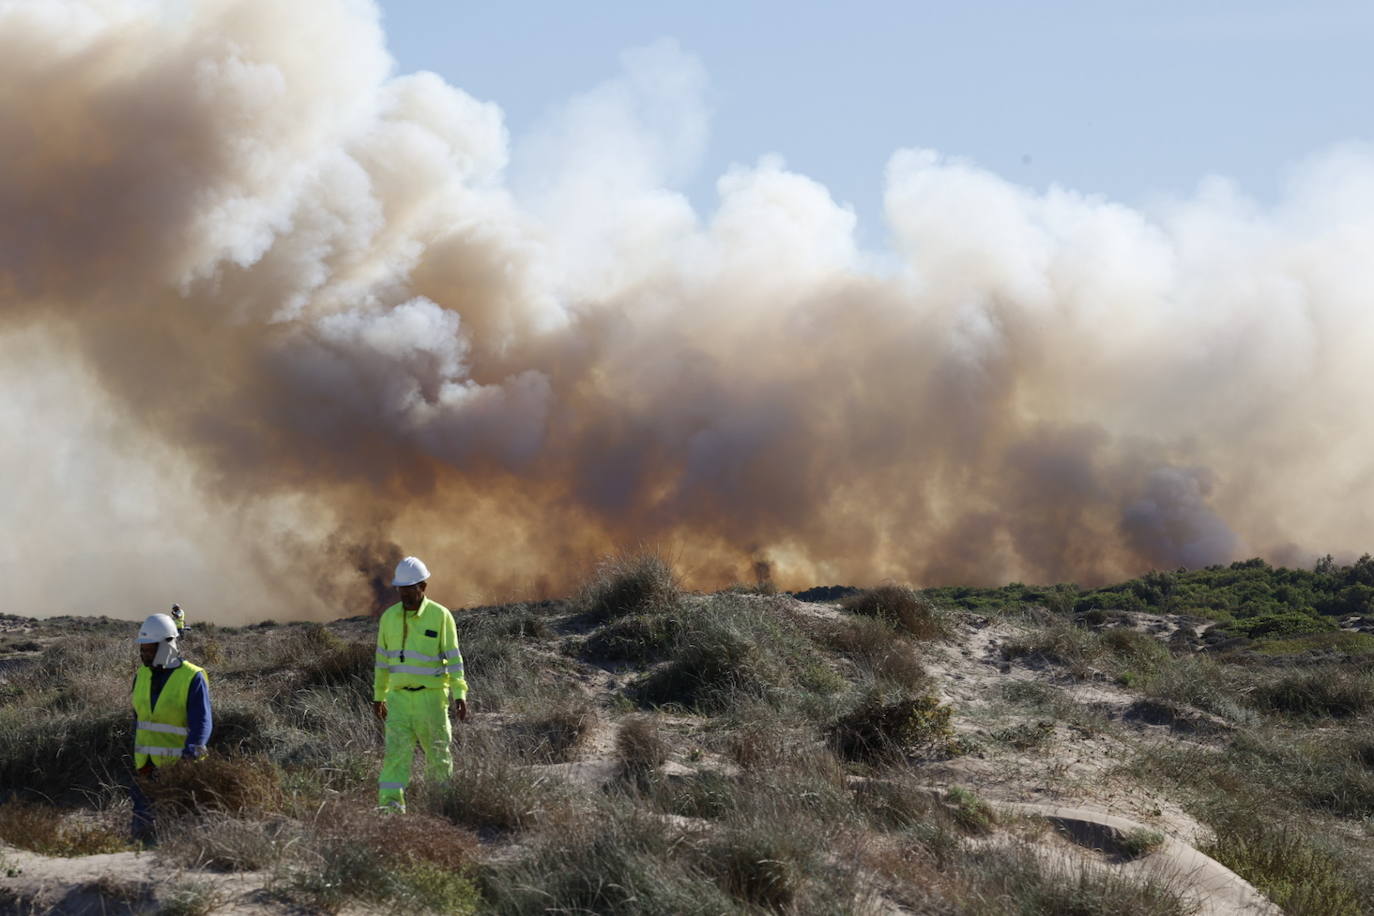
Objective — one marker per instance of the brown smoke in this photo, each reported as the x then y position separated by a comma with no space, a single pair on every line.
274,316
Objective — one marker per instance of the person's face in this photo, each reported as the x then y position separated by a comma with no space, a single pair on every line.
412,595
147,651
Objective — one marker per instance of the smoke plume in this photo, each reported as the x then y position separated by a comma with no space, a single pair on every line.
272,315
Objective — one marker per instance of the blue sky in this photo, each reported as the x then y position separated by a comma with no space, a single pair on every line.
1131,100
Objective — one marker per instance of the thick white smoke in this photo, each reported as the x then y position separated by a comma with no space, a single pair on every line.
324,312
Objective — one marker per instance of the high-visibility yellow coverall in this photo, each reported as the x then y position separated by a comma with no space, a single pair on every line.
418,664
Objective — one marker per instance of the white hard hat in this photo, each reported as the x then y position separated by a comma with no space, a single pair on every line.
410,571
160,629
157,628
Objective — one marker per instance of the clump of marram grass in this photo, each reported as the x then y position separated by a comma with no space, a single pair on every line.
624,585
639,746
225,843
489,792
1016,879
349,665
613,859
63,757
904,607
887,729
1060,643
636,639
1328,692
555,733
730,650
878,649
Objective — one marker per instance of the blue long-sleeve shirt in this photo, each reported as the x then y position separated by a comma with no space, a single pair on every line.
199,718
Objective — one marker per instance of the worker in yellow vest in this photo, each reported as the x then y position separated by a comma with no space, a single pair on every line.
418,667
171,700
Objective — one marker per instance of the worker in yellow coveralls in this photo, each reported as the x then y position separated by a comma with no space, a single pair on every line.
418,667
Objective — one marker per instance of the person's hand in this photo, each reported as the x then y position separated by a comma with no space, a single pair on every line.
379,710
460,709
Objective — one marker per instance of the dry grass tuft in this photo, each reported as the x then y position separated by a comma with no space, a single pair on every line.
625,585
887,730
52,832
639,746
233,785
904,607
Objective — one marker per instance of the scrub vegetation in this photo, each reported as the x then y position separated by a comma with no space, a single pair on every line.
639,748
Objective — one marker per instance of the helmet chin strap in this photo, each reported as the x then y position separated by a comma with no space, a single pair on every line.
168,656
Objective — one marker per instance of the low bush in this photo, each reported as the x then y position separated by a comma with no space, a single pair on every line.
337,872
904,607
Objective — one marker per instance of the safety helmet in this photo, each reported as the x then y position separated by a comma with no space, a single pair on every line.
410,571
177,612
160,629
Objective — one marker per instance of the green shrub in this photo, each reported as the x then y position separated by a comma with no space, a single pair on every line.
1299,874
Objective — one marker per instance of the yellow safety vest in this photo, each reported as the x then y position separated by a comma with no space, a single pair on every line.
161,733
418,649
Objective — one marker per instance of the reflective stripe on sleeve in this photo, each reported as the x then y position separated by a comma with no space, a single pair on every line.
157,751
415,669
159,727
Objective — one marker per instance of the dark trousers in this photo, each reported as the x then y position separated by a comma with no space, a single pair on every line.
143,828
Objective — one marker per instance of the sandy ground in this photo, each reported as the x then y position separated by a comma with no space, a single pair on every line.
1074,776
